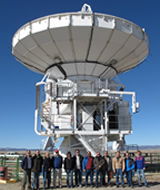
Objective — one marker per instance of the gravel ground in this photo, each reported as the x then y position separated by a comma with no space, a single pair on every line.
17,186
152,179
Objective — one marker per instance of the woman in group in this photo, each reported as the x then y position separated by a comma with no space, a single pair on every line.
68,166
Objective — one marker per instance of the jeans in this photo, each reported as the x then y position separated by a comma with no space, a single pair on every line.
46,175
57,172
69,172
35,180
87,173
78,177
141,171
26,178
129,177
119,172
104,176
101,179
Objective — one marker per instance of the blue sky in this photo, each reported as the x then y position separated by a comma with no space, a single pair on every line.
17,86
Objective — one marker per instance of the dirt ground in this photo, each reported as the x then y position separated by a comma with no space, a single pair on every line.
153,180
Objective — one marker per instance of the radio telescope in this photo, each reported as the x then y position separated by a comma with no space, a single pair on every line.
80,55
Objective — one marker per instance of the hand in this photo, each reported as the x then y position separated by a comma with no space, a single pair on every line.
84,170
114,171
144,169
122,170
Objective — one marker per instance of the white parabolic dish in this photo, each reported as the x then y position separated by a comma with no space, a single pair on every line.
80,44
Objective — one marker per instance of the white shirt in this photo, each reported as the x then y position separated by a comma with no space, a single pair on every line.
78,165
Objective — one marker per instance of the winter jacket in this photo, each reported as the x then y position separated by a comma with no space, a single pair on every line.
107,166
85,162
140,162
98,161
69,163
118,163
81,159
47,164
129,164
24,163
37,162
57,161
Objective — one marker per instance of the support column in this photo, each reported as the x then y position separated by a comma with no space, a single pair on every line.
106,126
74,114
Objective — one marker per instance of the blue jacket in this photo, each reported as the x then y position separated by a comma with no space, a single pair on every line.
24,163
85,162
129,164
140,162
57,161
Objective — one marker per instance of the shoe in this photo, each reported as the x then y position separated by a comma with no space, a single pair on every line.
80,185
96,186
140,185
146,185
123,186
117,186
109,185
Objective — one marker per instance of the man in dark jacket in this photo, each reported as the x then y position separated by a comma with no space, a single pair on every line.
37,162
107,168
78,158
47,166
26,165
57,161
98,163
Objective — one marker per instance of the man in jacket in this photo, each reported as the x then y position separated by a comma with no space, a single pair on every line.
87,166
98,163
140,166
78,158
129,166
57,161
107,168
47,166
26,165
37,162
118,166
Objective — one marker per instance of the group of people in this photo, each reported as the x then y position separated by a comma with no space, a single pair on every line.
102,166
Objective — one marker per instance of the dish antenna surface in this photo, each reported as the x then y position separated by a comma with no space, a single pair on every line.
79,54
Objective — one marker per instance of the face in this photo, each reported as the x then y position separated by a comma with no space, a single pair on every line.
77,152
127,155
118,154
37,152
105,153
88,154
98,154
28,153
138,153
47,154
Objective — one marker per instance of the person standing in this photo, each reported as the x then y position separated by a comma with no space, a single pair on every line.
118,168
107,168
98,163
47,166
68,166
57,161
78,158
37,162
87,165
141,167
129,166
26,165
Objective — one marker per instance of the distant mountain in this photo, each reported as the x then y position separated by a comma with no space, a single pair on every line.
142,147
